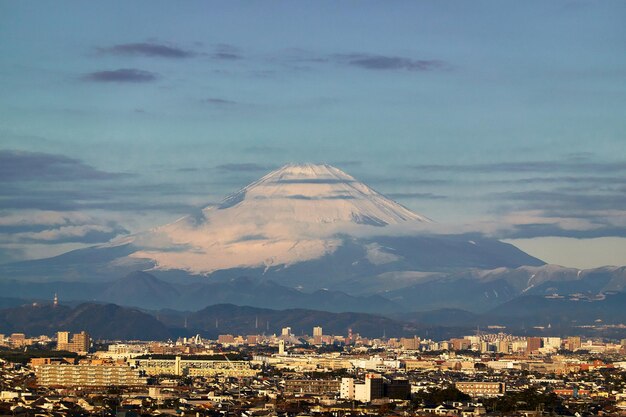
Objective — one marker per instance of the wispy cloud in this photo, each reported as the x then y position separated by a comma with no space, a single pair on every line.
38,166
553,199
52,227
301,59
149,49
219,101
244,167
226,52
123,75
387,63
528,166
265,149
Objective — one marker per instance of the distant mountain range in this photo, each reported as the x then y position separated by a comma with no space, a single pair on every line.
529,314
477,291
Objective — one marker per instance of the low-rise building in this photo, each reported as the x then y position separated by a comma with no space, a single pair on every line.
482,389
312,386
87,375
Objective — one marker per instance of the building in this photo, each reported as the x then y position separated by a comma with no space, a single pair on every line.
412,343
460,344
552,342
194,367
63,340
35,362
397,389
226,339
312,386
317,335
18,340
372,389
79,342
62,375
482,389
572,343
533,344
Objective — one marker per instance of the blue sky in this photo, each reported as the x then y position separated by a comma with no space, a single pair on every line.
502,117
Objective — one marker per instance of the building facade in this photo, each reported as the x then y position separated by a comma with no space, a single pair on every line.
62,375
482,389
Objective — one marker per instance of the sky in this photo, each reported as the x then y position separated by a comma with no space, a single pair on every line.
505,118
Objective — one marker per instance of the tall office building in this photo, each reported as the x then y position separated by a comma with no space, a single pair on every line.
63,340
80,342
317,335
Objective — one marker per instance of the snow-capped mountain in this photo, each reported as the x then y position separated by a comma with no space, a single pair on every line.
302,226
294,214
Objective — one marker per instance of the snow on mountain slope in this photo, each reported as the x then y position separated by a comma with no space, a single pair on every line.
294,214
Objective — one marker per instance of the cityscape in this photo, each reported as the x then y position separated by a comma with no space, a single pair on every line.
407,208
483,374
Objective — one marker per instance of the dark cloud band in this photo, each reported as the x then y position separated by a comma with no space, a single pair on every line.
123,75
38,166
382,62
147,49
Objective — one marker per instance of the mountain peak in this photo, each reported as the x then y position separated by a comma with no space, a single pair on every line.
309,171
317,193
294,213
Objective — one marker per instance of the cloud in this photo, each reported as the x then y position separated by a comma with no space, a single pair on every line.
386,63
75,234
147,49
51,182
590,181
528,166
226,52
41,219
302,60
554,199
225,56
219,101
123,75
256,149
540,223
38,166
528,231
94,199
50,227
243,167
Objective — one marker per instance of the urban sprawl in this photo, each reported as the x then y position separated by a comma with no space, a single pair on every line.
289,375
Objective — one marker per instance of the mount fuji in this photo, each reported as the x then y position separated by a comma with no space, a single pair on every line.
295,214
305,231
305,226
